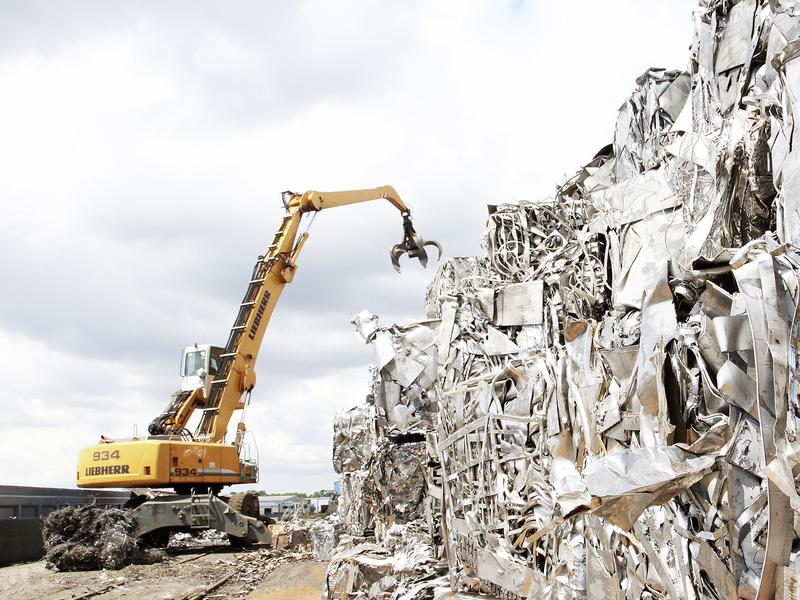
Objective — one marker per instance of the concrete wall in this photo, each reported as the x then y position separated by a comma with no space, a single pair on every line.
24,502
21,540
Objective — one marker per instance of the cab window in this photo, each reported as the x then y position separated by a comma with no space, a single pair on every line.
213,365
195,360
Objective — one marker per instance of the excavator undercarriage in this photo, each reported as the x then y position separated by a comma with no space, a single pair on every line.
238,517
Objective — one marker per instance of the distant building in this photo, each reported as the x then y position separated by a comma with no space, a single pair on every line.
320,505
277,506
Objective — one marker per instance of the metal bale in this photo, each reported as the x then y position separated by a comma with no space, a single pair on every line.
615,382
82,538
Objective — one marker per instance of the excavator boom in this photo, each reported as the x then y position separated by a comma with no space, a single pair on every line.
412,243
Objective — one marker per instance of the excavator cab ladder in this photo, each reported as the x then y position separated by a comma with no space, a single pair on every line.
260,273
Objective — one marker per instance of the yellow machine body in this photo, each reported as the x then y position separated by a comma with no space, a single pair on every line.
154,463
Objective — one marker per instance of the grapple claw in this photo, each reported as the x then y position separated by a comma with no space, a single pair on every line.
412,244
437,245
395,253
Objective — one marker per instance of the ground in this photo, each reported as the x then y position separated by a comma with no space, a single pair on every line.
251,575
294,581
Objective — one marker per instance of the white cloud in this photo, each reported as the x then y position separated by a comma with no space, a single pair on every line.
293,429
55,402
144,148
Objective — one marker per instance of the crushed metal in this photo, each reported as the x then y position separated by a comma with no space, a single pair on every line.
606,404
83,538
201,539
325,535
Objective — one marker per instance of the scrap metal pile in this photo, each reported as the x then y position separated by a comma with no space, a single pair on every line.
387,515
606,404
82,538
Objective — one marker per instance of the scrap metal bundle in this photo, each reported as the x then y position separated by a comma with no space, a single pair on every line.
325,535
354,434
389,507
616,382
404,374
353,441
83,538
386,473
392,569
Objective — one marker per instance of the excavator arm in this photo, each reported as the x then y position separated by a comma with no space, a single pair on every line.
312,200
271,273
411,244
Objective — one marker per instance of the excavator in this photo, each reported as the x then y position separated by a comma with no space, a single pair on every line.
216,382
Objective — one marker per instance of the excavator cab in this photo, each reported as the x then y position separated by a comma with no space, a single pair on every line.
199,366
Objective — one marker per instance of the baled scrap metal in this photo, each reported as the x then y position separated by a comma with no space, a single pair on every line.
404,374
499,496
325,535
353,438
455,274
386,571
398,484
636,442
390,493
643,122
88,537
617,379
402,477
354,507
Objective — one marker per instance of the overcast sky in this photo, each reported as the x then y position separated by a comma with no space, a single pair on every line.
144,146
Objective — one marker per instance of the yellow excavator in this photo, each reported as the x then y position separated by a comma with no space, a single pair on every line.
217,382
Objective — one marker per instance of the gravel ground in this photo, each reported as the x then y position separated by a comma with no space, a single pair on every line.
257,574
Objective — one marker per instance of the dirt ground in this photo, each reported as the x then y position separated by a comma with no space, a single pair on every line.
184,576
304,579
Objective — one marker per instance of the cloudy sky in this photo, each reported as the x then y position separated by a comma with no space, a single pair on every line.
144,146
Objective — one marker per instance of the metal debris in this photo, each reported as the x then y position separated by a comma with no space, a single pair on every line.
325,535
293,532
242,574
201,539
392,569
608,400
405,374
83,538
